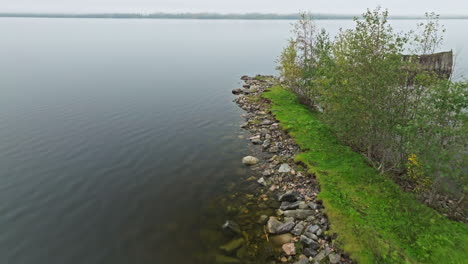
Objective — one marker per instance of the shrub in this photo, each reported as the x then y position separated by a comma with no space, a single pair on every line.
403,119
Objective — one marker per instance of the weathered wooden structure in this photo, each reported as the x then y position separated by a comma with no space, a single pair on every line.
439,63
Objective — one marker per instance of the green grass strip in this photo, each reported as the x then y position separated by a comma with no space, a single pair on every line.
375,220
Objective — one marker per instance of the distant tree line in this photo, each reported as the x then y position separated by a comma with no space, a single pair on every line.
246,16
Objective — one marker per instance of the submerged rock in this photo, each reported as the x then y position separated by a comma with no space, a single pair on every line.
263,219
221,259
281,239
232,245
249,160
232,227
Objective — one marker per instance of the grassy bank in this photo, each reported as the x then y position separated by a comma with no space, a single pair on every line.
376,222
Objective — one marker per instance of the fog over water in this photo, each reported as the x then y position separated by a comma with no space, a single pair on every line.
115,133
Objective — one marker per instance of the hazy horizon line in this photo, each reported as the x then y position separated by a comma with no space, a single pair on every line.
205,15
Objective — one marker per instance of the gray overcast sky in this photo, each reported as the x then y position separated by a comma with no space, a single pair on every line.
396,7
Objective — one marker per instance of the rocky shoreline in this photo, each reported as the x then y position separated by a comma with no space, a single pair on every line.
299,227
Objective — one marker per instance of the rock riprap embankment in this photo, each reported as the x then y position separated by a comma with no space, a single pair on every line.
298,230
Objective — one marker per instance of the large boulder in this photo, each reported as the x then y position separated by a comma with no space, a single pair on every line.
250,160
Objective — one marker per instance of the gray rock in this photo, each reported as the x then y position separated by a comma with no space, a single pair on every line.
273,149
232,227
285,228
266,122
327,250
313,205
311,235
257,141
309,242
253,89
310,252
262,181
319,232
236,91
266,144
284,168
249,160
246,86
320,256
303,205
289,205
302,261
267,173
334,258
299,213
264,131
272,225
313,229
289,219
298,229
244,125
247,91
289,196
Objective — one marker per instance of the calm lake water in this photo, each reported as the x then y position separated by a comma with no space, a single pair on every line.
116,134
